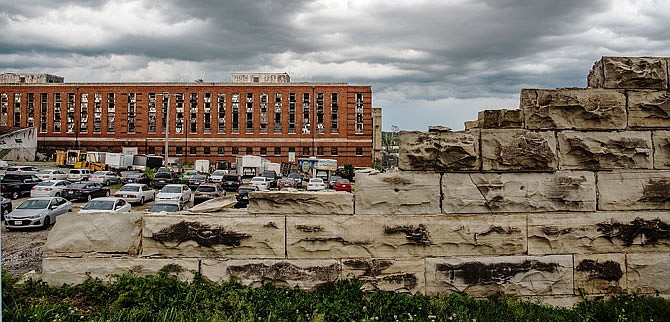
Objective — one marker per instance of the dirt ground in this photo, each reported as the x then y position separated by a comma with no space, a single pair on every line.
22,250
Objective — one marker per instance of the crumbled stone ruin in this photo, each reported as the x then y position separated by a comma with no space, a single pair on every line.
567,195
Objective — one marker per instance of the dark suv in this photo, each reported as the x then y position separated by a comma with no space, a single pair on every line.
230,182
272,177
164,178
15,185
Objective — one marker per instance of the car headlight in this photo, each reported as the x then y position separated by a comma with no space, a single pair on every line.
38,215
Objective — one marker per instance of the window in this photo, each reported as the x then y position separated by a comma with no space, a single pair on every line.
250,150
193,150
207,109
221,110
57,112
132,101
193,110
30,113
152,150
235,150
333,151
277,150
43,112
305,150
152,113
111,111
359,113
179,109
264,151
319,150
97,113
220,150
4,108
17,109
180,150
208,150
359,151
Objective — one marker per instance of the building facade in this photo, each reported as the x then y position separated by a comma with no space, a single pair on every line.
278,120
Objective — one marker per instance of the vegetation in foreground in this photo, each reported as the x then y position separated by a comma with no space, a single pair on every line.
165,298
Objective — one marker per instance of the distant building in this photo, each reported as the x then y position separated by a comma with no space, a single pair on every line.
11,78
258,113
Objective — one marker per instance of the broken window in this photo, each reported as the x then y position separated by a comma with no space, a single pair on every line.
278,108
111,112
193,110
97,113
359,113
151,114
179,107
207,113
30,110
17,110
305,113
44,112
164,110
334,108
70,114
221,110
236,113
83,113
57,112
4,108
291,113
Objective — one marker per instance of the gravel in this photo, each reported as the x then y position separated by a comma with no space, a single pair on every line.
22,250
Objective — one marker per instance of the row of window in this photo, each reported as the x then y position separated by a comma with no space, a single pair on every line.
270,119
263,151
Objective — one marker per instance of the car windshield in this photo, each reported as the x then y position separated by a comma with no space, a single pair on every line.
218,173
167,207
46,171
342,181
46,183
171,189
261,179
78,185
134,175
245,190
99,205
130,188
315,180
206,189
198,177
34,204
164,175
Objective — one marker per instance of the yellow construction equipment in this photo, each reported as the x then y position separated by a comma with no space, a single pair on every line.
89,160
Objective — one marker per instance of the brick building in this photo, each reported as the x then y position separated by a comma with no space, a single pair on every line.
259,113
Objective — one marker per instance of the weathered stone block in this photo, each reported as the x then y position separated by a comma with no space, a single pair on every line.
629,72
518,150
602,232
634,190
301,202
213,236
439,151
600,273
391,275
648,273
216,205
486,276
404,236
397,193
518,192
305,274
99,232
580,109
661,141
500,119
57,271
605,150
648,109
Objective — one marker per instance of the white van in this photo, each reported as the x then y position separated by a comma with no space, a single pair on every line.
75,175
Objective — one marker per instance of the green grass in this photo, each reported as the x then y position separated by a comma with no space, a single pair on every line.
164,298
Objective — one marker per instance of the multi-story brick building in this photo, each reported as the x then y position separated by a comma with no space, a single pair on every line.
260,113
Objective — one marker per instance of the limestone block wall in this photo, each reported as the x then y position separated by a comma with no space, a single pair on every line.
568,194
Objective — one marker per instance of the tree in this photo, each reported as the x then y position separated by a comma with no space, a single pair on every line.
346,172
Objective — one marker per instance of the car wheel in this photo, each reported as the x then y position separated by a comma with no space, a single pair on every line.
89,197
47,222
142,201
57,194
15,195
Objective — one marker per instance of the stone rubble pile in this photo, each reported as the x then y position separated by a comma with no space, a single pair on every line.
569,194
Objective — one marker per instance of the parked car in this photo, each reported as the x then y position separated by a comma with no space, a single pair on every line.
74,175
136,178
217,176
286,183
207,191
161,179
167,206
85,191
105,204
51,174
37,212
196,180
242,196
263,183
53,188
136,193
272,177
342,185
178,192
22,169
15,185
5,208
297,177
188,174
105,177
230,182
315,184
332,180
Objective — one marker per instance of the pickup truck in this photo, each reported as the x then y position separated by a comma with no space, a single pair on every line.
15,185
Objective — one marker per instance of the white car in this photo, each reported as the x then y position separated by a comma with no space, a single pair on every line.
78,174
105,204
52,188
136,193
51,174
22,169
179,192
105,177
217,176
37,212
316,184
262,183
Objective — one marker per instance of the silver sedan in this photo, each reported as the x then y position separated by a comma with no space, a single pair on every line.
37,212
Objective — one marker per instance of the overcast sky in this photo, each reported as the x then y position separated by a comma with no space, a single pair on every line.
429,62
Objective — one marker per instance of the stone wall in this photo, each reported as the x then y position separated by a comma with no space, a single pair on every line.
568,194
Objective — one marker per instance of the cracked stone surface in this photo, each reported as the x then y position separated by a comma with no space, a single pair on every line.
406,236
390,275
397,193
99,232
600,273
648,109
486,276
518,150
500,119
439,151
648,273
241,236
605,150
634,190
518,192
579,109
661,141
57,271
601,232
629,73
301,202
